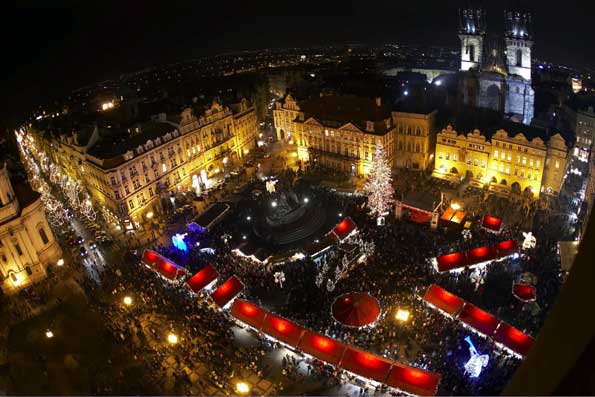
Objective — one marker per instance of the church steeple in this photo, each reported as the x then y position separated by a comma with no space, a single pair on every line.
472,29
518,36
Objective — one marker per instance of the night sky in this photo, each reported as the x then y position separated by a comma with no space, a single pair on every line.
52,47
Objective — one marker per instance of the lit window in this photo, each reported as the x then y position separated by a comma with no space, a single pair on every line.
483,163
524,160
163,167
557,164
502,155
495,154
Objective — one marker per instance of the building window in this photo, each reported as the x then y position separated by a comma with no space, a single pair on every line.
475,162
496,152
17,247
44,237
150,192
131,204
524,160
117,195
483,163
557,164
447,156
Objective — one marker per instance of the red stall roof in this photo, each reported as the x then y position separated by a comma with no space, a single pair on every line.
162,265
248,313
480,320
321,347
343,229
444,300
524,292
452,261
481,254
515,340
281,329
150,258
506,248
227,291
492,223
413,380
366,364
202,278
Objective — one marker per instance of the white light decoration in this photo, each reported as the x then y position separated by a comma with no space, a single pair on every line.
530,240
379,185
279,278
477,362
270,186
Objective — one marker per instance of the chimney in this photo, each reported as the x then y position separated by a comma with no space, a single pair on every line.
378,101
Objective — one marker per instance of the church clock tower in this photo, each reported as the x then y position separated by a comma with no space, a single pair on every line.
472,30
519,40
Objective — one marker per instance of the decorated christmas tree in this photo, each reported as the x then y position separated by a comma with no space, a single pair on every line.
379,185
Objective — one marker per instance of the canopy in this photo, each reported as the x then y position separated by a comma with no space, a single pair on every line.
492,223
481,254
506,248
443,300
227,291
344,229
524,292
453,216
162,265
204,277
366,364
248,313
413,380
483,322
281,329
321,347
355,309
513,339
452,261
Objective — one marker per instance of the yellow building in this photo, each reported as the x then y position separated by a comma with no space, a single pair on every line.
506,164
337,132
129,173
27,244
414,139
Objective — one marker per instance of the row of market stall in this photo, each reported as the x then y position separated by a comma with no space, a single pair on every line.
346,357
358,362
483,323
457,261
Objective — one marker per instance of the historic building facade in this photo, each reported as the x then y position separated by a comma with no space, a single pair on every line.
508,164
159,159
27,244
496,72
336,132
414,139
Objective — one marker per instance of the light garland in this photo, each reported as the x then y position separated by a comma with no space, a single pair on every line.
379,185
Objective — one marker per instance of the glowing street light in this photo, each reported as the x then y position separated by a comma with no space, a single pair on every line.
150,215
49,334
60,262
248,218
242,388
274,203
402,315
127,300
306,199
455,206
172,339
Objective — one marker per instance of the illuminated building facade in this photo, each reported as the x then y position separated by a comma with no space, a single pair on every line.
132,173
585,134
504,163
27,244
414,139
336,132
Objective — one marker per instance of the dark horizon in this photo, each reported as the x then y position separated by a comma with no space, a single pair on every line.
57,48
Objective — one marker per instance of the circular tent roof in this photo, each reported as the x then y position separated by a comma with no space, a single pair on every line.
355,309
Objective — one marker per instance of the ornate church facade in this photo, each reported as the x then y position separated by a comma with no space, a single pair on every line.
496,71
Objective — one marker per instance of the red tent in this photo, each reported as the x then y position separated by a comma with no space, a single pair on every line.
524,292
506,248
492,223
150,258
227,291
162,265
413,380
452,261
344,229
481,254
248,313
481,321
355,309
321,347
444,300
366,364
512,338
281,329
204,277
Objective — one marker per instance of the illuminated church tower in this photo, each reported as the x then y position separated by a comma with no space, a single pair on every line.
519,40
472,30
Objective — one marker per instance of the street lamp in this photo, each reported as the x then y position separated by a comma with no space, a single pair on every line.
49,334
242,388
172,339
150,215
60,262
127,300
306,199
455,206
402,315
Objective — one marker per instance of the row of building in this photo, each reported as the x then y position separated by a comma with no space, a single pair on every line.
131,172
340,132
